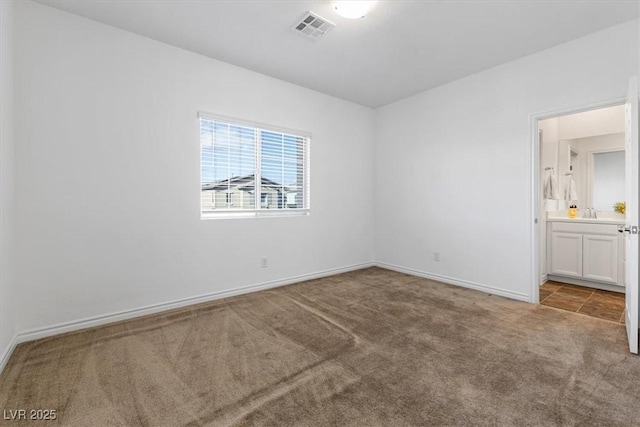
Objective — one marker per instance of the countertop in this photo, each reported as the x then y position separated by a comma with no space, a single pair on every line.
588,220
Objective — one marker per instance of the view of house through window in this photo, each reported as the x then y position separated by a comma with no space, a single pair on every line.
250,170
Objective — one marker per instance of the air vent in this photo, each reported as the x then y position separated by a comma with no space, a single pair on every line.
313,26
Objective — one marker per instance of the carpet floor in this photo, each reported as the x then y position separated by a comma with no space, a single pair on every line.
367,348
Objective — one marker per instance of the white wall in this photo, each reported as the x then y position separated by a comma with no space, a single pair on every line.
7,284
103,112
603,121
454,164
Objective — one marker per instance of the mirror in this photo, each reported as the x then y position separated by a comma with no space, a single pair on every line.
596,165
607,169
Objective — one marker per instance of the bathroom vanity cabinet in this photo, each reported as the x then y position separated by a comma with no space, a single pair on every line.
586,251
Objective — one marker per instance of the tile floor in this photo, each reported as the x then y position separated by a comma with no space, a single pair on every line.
579,299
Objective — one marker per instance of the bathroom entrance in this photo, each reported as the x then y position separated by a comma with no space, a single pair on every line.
582,182
583,204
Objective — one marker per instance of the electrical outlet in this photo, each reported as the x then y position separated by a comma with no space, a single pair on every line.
436,256
264,262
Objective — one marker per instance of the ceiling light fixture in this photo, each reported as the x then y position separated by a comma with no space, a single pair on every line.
353,9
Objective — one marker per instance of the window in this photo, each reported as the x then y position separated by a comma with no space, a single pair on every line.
250,170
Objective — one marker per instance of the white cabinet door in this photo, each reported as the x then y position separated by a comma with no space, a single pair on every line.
600,258
566,254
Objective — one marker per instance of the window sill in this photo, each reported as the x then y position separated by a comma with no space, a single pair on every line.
228,214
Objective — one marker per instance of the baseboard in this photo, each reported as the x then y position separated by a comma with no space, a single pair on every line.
8,352
452,281
94,321
543,279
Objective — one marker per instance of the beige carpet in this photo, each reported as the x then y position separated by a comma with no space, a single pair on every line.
367,348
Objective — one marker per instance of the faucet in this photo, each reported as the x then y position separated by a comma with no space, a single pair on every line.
591,213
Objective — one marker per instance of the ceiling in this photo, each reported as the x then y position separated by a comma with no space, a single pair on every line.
401,48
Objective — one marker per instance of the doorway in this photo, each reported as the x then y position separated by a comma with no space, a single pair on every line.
582,182
552,159
580,241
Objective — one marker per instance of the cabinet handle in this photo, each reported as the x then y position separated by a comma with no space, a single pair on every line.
631,229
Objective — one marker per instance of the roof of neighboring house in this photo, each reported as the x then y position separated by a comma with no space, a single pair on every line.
244,183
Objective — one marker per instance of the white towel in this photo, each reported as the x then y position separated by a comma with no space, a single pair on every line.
551,188
571,193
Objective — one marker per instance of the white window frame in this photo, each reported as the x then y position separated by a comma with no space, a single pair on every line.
259,211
